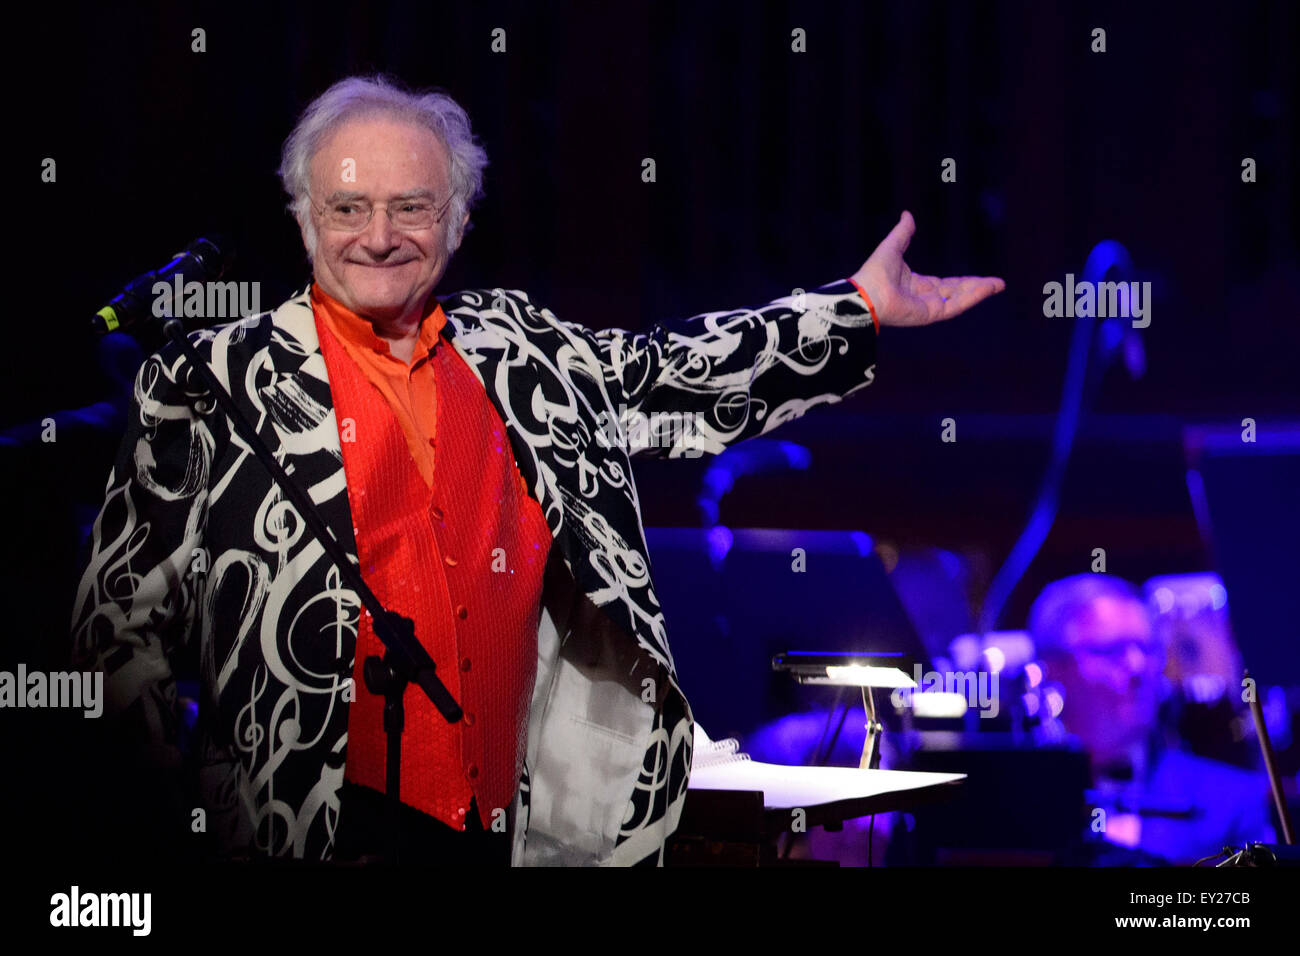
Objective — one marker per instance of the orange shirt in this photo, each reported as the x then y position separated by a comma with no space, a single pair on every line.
408,387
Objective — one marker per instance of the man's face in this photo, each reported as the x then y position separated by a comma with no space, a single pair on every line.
1110,676
381,273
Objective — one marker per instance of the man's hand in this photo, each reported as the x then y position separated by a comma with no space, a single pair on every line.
904,297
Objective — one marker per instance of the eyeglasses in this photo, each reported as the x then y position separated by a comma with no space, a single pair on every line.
354,214
1116,651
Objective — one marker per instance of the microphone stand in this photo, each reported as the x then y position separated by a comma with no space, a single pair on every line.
404,660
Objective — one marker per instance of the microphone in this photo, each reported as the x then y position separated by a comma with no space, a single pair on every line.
202,259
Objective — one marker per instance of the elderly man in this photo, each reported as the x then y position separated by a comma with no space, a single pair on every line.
461,453
1095,635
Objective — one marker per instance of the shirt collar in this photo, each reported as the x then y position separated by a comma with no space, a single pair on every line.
360,332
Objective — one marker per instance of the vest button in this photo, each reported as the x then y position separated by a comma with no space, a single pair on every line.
472,772
464,663
432,443
436,512
462,612
334,760
451,562
469,719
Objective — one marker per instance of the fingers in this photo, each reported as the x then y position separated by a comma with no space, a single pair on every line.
951,285
958,295
925,298
954,285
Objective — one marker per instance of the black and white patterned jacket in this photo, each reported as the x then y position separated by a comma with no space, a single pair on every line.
196,561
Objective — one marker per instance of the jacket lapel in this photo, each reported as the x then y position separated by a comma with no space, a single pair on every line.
301,409
513,385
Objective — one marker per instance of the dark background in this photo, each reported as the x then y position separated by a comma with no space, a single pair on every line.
775,170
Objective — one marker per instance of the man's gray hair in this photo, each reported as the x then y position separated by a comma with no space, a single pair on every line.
1064,600
365,96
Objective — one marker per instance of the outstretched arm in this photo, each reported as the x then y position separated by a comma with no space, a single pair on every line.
695,386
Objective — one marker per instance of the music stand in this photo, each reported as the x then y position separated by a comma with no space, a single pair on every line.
867,671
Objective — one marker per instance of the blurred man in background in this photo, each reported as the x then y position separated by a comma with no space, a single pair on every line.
1096,639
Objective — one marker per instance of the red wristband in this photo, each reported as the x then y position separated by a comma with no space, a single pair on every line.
870,307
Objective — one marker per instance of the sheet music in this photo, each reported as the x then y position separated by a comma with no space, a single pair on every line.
786,787
711,753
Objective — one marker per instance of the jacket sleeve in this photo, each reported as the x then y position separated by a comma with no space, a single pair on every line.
695,386
135,604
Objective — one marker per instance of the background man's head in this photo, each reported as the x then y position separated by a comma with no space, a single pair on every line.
1095,635
365,142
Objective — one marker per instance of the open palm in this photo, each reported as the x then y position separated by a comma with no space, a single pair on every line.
906,298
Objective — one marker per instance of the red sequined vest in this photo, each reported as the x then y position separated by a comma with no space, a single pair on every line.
464,560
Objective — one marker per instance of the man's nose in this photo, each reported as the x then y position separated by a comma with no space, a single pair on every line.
1137,659
379,237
